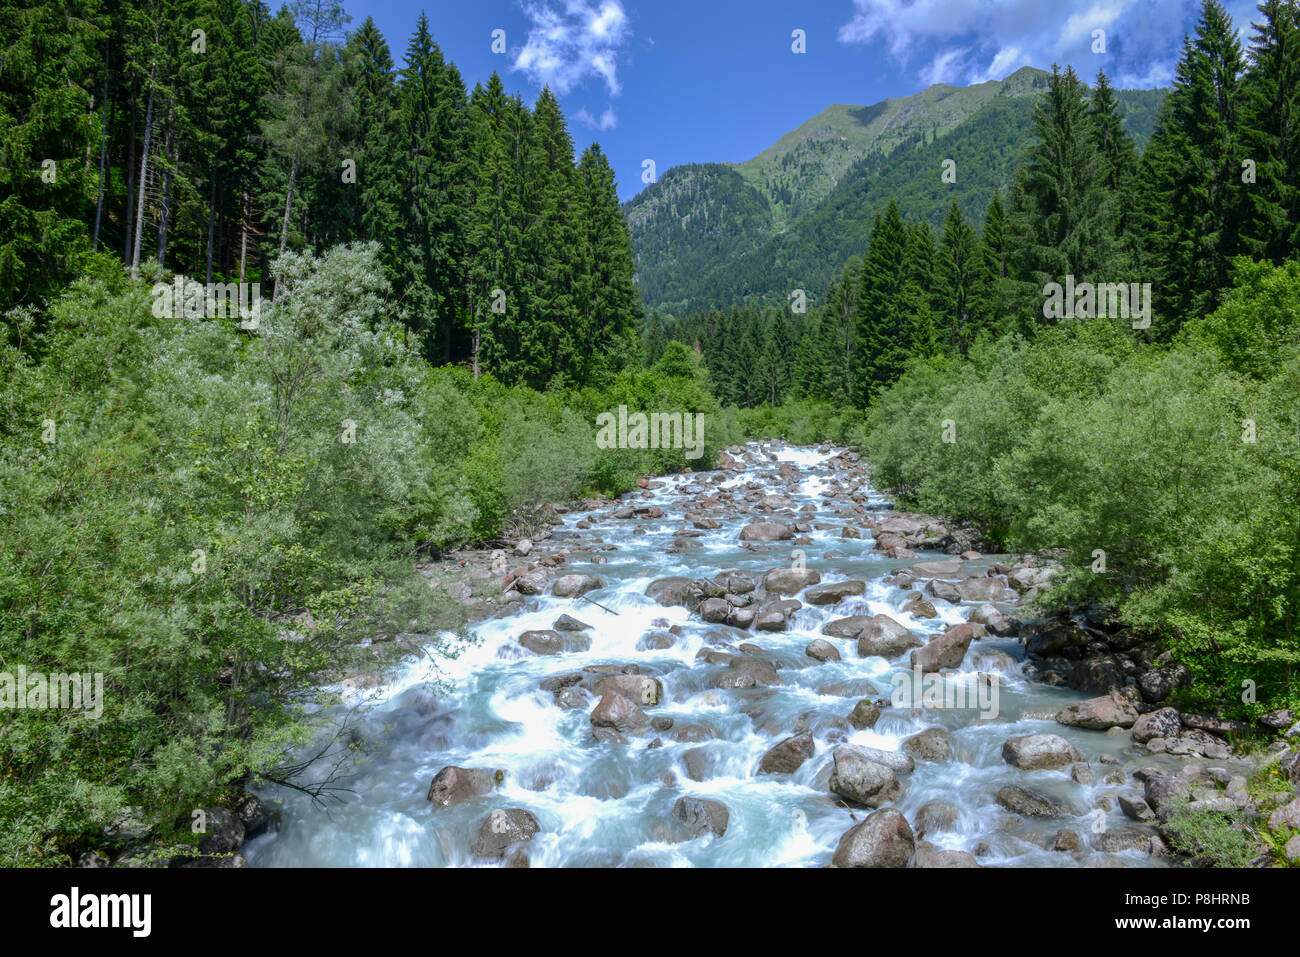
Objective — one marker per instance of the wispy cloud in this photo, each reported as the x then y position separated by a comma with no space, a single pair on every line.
969,41
606,121
573,41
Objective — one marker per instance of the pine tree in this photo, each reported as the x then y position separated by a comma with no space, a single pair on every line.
45,131
1061,215
919,295
960,281
1270,133
883,331
996,308
1195,206
431,109
1119,163
608,308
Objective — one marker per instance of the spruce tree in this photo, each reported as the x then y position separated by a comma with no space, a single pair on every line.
883,330
959,281
1196,205
1270,134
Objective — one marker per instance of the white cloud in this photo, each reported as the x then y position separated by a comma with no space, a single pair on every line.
606,121
975,40
573,41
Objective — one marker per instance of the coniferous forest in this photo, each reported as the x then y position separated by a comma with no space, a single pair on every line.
1090,360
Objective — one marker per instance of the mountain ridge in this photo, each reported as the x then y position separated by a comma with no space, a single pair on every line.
712,234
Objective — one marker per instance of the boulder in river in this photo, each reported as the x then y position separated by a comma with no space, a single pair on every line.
994,620
789,581
566,623
694,817
1034,752
675,591
639,689
501,829
766,532
1029,803
787,756
884,839
864,715
1161,723
932,744
542,642
946,650
775,615
715,610
619,713
934,816
1100,714
453,785
571,586
833,593
861,780
884,636
846,627
984,590
819,649
945,590
927,855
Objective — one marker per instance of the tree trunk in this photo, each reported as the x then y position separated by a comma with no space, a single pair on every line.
103,152
144,170
212,219
164,211
243,238
288,206
129,218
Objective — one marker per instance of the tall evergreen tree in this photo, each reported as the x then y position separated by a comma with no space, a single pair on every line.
1270,133
431,109
1195,204
883,330
960,281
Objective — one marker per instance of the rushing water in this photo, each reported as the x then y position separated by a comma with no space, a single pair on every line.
606,804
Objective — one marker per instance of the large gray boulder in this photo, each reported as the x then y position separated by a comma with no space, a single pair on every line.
884,636
789,581
640,689
1100,714
766,532
1036,752
618,713
786,757
945,651
834,592
1029,803
453,785
884,839
675,591
571,586
501,829
693,817
861,780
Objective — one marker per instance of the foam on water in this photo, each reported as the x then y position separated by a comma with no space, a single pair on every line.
604,804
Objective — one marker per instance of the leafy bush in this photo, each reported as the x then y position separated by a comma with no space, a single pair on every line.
1181,471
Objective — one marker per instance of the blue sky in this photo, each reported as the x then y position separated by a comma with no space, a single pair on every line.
680,81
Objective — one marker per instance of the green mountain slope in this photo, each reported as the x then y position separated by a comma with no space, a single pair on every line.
714,234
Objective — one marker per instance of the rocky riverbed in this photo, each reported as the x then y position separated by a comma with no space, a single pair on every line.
766,665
